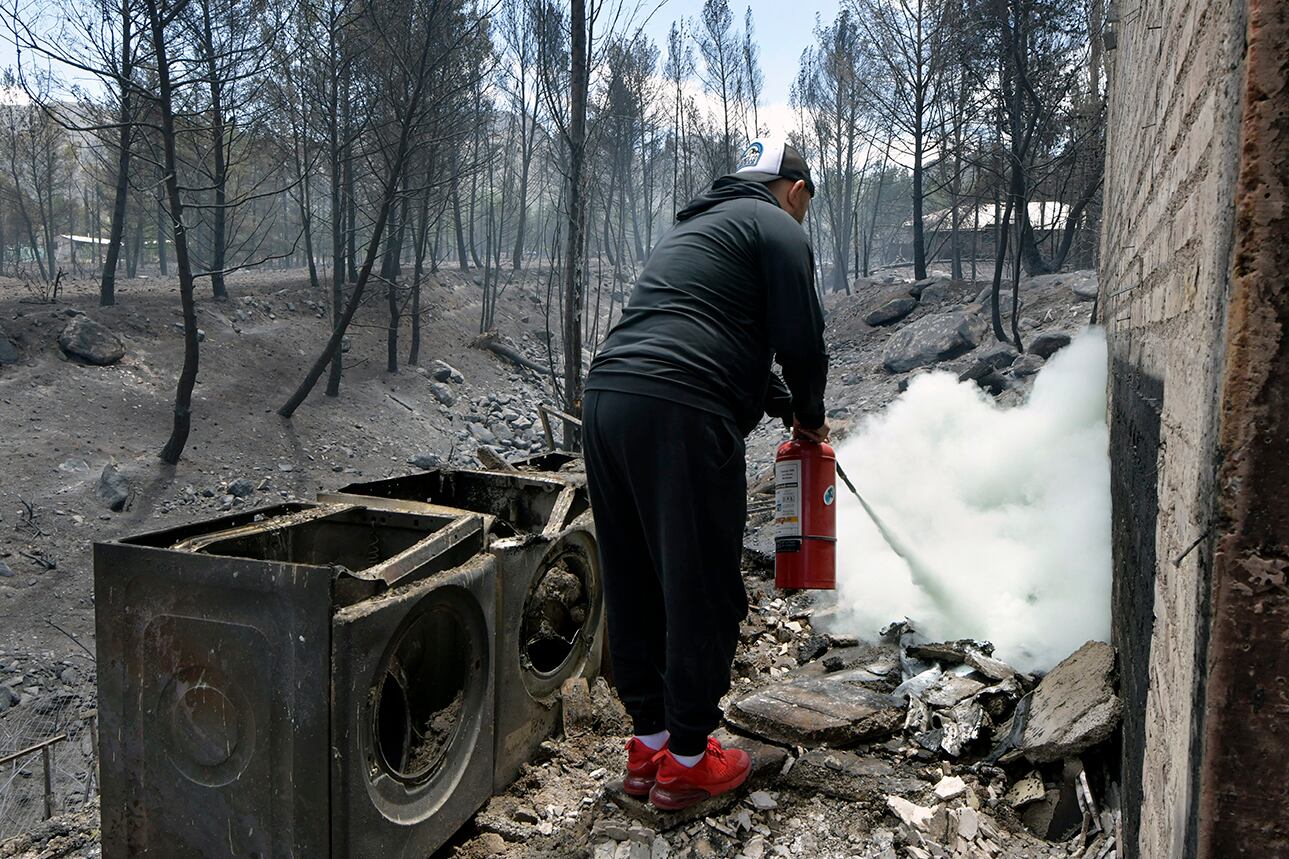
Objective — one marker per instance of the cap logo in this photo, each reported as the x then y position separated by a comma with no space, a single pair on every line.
751,155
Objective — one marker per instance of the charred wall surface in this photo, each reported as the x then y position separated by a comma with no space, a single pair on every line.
1195,250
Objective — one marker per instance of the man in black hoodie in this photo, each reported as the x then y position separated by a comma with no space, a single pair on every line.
681,379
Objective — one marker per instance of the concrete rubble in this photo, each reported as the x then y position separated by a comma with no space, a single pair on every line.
899,748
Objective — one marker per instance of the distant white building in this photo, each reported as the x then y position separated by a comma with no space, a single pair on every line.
84,247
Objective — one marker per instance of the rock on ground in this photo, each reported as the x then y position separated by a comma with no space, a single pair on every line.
937,337
426,460
1027,365
88,341
443,393
442,371
113,488
892,307
919,286
1047,344
1074,707
936,293
998,356
241,488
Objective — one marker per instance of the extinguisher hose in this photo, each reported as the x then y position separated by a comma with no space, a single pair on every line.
921,573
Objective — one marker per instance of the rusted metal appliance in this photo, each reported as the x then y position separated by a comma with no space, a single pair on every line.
304,680
550,620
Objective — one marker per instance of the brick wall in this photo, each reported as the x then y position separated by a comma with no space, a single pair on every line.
1180,111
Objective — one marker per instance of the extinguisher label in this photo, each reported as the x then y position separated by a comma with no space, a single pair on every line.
787,498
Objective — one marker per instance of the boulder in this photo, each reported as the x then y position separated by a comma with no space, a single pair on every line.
919,286
1027,365
933,338
985,377
1085,285
937,293
113,488
443,393
426,460
8,351
892,310
1074,707
6,572
999,356
1048,343
984,371
481,433
85,340
441,371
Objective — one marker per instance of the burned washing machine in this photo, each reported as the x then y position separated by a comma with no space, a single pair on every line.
550,618
299,681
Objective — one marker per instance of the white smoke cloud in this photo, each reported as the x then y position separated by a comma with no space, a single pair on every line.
1004,513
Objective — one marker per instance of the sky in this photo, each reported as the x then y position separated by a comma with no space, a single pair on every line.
783,30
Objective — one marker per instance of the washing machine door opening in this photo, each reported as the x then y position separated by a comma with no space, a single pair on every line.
558,614
420,699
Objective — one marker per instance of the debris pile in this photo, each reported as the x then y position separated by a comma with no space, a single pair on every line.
898,748
1013,745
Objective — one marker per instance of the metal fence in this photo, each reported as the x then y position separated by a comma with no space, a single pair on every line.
47,761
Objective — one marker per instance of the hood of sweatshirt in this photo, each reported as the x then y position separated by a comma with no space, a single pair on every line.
725,188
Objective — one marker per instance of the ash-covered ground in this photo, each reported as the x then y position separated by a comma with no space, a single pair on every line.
80,440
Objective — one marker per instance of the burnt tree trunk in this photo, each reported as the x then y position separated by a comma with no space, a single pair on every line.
188,375
576,224
107,284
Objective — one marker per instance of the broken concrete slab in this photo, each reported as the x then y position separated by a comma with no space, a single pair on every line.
833,709
950,652
910,813
999,700
1074,707
992,668
767,760
950,689
950,787
961,724
850,776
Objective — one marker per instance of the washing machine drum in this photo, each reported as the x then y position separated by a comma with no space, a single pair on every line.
562,606
412,724
551,626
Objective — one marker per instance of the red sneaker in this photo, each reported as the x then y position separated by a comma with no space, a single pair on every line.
642,767
678,786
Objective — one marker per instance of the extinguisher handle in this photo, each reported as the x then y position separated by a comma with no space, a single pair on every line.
817,435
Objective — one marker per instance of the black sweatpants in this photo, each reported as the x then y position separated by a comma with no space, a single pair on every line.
669,494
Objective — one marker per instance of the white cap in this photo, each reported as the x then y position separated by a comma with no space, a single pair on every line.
765,160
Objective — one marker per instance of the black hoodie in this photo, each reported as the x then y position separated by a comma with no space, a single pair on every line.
729,288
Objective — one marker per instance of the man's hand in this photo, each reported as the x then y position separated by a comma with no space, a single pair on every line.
819,434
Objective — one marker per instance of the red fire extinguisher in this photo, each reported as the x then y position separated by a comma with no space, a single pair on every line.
805,515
